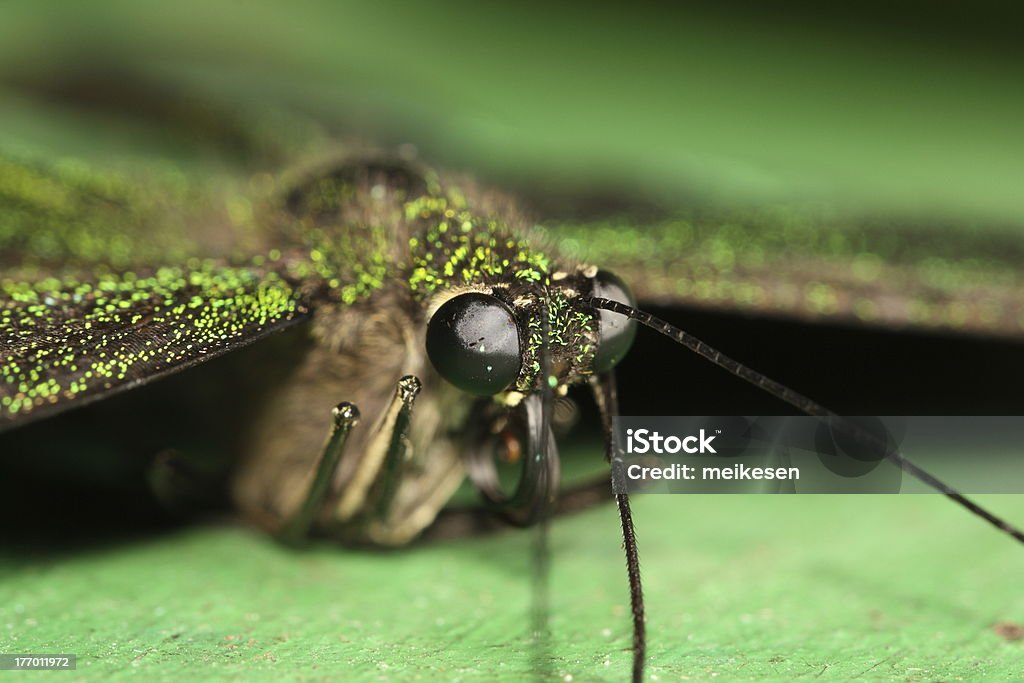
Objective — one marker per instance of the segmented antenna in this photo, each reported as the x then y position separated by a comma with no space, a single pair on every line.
606,394
802,403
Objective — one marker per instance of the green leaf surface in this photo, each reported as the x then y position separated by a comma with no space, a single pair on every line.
738,588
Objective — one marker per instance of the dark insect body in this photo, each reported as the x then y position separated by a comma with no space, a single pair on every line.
426,307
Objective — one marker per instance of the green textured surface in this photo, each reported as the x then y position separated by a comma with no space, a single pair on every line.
738,588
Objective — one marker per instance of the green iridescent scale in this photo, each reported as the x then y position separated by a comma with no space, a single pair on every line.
108,283
103,287
456,248
66,339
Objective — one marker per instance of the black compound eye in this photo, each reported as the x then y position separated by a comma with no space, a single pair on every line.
473,342
616,331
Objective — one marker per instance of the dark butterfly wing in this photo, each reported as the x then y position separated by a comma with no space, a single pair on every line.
68,341
88,304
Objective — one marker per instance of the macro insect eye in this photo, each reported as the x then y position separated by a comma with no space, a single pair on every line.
616,331
473,342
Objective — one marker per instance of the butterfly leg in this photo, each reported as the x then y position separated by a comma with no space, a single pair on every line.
393,492
298,527
373,487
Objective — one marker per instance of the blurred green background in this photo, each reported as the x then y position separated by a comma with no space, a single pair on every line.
890,105
891,109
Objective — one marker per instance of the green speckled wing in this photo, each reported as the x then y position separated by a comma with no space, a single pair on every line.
102,287
816,265
64,341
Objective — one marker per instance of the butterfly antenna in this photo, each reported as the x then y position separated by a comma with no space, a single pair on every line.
636,592
803,404
608,404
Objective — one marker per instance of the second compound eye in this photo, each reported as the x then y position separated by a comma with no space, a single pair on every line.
616,330
473,342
